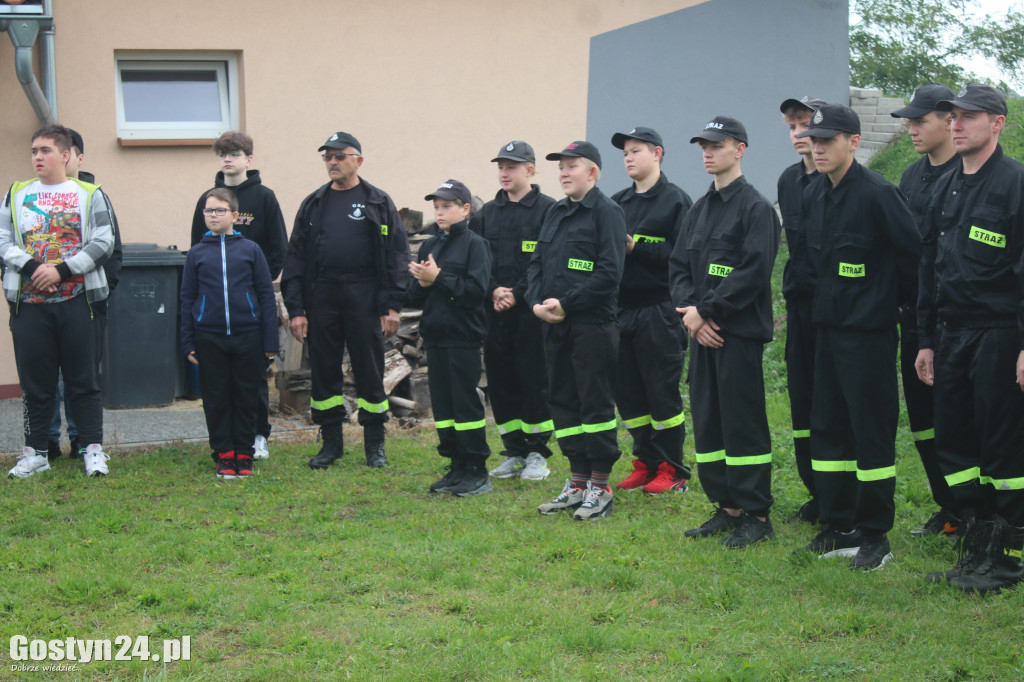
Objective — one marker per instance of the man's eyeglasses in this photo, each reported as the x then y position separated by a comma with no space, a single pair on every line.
215,211
337,155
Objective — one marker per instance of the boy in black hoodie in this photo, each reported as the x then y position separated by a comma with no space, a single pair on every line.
228,323
260,220
450,284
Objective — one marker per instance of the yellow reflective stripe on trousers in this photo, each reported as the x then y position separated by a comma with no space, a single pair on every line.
668,423
708,457
543,427
927,434
801,433
837,466
570,431
510,426
637,422
868,475
460,426
376,408
965,476
1003,483
327,403
597,428
749,460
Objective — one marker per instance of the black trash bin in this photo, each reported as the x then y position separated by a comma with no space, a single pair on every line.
141,354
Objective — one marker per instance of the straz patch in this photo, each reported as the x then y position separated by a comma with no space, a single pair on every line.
986,237
643,238
584,265
851,269
716,270
529,247
384,230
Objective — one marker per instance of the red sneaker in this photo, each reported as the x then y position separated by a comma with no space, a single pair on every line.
641,476
244,464
226,466
668,479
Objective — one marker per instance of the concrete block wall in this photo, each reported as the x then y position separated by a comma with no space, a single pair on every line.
878,128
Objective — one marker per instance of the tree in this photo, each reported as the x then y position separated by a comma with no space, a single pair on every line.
898,45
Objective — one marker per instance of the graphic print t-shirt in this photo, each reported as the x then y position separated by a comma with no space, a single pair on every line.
50,222
346,244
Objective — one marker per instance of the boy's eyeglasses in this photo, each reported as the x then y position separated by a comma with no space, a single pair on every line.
231,155
215,211
339,156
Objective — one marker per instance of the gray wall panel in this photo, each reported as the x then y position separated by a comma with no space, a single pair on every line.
738,58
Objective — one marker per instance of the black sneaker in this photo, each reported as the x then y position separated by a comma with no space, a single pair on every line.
807,513
475,481
449,480
941,522
720,522
76,449
873,553
53,450
833,543
751,531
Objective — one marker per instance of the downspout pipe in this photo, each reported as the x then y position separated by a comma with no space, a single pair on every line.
23,33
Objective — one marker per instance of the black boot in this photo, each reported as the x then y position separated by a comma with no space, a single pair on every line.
1002,567
53,450
332,449
973,546
373,445
475,480
451,478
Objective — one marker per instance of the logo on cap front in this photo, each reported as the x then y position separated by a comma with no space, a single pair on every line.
334,137
511,146
714,124
445,185
963,91
570,147
912,98
631,131
818,117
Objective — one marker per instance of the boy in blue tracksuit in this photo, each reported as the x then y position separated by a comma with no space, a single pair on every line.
450,284
228,326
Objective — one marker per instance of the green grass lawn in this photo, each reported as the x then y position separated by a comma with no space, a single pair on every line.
357,574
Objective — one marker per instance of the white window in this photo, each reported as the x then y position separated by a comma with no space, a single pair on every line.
189,97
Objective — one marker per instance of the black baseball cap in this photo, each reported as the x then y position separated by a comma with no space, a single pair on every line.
452,190
639,133
516,150
720,128
805,102
924,101
832,119
976,97
76,140
340,140
580,148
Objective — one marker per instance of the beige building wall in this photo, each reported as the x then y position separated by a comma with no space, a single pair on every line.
431,89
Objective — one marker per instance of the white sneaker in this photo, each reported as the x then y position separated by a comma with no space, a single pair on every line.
95,460
510,468
260,449
29,464
536,468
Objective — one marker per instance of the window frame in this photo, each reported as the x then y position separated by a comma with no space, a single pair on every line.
223,64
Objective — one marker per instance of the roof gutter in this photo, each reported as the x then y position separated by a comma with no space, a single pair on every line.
23,30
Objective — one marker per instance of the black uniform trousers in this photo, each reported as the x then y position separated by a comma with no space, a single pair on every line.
581,362
652,348
730,424
343,314
517,381
801,335
453,374
921,411
231,369
979,420
853,428
52,338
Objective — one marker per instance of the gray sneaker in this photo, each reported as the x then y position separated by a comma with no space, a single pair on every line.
510,468
597,503
569,498
536,468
